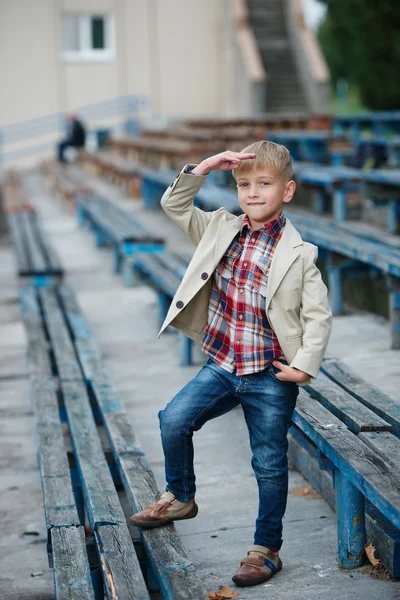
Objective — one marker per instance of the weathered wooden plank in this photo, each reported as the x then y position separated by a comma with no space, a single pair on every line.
39,362
348,409
354,459
174,571
385,445
101,499
18,244
72,578
122,575
51,256
385,537
163,280
67,364
36,256
174,263
85,345
383,534
59,502
383,405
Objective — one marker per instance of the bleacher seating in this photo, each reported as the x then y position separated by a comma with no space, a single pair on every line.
87,451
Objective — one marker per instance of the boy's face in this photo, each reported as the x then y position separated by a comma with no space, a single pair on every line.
262,194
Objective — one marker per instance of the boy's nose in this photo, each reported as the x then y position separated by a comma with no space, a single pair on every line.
253,193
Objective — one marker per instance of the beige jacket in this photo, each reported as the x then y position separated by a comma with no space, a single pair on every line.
296,298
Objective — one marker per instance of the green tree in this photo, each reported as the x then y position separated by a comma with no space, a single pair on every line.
360,39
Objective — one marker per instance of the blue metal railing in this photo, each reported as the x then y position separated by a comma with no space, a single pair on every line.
126,107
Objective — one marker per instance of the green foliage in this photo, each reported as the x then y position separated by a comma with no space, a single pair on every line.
360,41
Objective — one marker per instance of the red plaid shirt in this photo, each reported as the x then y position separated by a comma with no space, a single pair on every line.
238,334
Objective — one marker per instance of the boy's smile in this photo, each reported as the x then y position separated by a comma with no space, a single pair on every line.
262,194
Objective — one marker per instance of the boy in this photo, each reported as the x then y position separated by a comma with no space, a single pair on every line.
250,281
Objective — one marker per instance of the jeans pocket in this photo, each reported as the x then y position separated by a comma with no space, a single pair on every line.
273,372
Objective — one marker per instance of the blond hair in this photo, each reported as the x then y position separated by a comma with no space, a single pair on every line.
268,154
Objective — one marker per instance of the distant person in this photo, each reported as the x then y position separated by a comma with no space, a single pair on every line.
254,299
76,136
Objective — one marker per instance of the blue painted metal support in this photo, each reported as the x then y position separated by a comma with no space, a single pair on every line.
335,281
319,201
351,523
393,215
45,280
80,215
339,205
97,582
185,350
128,272
78,494
163,305
117,259
393,286
100,238
151,578
337,158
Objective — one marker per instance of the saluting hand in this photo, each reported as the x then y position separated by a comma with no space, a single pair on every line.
224,161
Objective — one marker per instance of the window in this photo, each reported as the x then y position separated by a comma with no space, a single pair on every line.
87,37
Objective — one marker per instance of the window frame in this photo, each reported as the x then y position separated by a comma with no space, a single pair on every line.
87,53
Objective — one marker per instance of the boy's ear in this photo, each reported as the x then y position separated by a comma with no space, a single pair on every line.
290,189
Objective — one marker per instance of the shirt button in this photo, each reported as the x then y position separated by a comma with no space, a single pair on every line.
241,317
245,265
241,290
238,341
204,276
179,304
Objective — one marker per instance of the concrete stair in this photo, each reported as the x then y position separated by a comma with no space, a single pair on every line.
284,88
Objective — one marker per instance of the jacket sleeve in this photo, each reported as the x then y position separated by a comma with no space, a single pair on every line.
178,203
317,318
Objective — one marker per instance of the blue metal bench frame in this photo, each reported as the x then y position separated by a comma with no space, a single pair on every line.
124,248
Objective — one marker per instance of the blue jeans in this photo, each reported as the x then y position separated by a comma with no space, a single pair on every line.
268,406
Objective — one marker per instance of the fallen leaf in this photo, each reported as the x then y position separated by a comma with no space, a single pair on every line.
308,490
370,552
224,594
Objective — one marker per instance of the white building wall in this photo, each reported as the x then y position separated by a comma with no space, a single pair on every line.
28,59
176,52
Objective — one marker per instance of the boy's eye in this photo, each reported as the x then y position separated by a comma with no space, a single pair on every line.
265,182
243,184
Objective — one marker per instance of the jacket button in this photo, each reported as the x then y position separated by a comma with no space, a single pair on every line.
179,304
204,276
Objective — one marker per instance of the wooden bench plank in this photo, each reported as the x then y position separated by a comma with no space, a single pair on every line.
163,280
383,405
122,575
175,573
67,365
38,348
36,257
87,349
380,531
59,501
71,566
173,262
18,244
348,409
101,499
353,458
385,445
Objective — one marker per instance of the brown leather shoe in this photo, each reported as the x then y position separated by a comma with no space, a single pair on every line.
164,511
259,565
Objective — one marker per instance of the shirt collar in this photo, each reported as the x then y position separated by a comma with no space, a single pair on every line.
273,227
